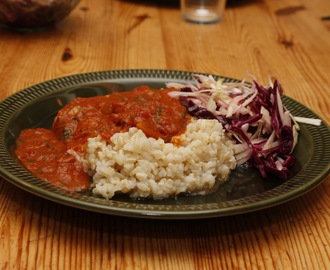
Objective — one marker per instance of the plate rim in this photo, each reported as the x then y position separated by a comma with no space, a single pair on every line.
57,84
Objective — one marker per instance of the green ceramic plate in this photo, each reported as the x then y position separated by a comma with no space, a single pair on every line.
245,191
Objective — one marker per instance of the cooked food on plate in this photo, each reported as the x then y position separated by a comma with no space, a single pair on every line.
160,143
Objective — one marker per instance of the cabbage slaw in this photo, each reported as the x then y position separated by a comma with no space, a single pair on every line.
254,115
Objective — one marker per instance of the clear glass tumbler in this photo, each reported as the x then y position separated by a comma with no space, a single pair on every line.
202,11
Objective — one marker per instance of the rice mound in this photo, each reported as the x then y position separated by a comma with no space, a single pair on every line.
144,167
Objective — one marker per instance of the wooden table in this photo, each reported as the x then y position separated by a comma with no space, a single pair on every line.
284,39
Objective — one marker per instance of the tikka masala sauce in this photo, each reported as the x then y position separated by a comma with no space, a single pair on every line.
44,152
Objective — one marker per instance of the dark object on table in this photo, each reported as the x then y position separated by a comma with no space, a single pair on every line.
25,15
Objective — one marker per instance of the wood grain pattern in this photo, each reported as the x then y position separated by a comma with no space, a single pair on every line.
284,39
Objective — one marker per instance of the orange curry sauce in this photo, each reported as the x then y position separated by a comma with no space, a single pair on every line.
44,152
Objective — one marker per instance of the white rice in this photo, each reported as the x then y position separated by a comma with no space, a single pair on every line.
144,167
